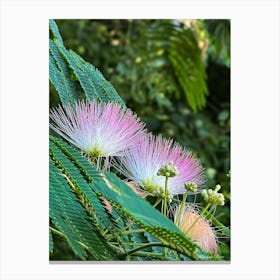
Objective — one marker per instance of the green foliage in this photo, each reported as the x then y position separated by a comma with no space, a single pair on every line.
50,242
72,220
69,73
74,206
176,49
219,34
156,65
152,56
60,76
142,213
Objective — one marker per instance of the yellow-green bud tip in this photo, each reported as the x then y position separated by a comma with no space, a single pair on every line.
213,197
217,188
191,186
168,170
204,195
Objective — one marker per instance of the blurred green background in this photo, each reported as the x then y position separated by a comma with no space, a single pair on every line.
175,74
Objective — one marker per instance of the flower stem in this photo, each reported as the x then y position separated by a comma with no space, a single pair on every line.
143,247
165,204
151,256
133,231
140,230
157,202
165,196
181,209
199,217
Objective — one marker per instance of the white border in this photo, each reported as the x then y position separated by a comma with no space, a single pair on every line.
24,138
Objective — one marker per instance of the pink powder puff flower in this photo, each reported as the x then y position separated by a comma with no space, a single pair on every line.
201,233
142,163
98,129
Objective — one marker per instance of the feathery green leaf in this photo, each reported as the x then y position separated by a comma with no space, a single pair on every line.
70,217
70,75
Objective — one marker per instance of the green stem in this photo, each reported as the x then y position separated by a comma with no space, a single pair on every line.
127,232
151,255
128,243
176,254
165,196
157,202
143,247
199,217
62,235
57,232
119,218
216,222
181,208
165,204
133,231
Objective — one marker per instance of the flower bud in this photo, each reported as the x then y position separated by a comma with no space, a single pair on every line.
169,197
168,170
213,197
191,186
204,194
217,188
220,199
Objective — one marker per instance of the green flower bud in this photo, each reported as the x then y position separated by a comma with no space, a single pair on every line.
204,195
168,170
217,188
220,199
191,186
213,197
169,197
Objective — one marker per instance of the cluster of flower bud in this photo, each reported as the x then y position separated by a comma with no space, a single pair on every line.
160,194
191,187
213,197
168,170
158,191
